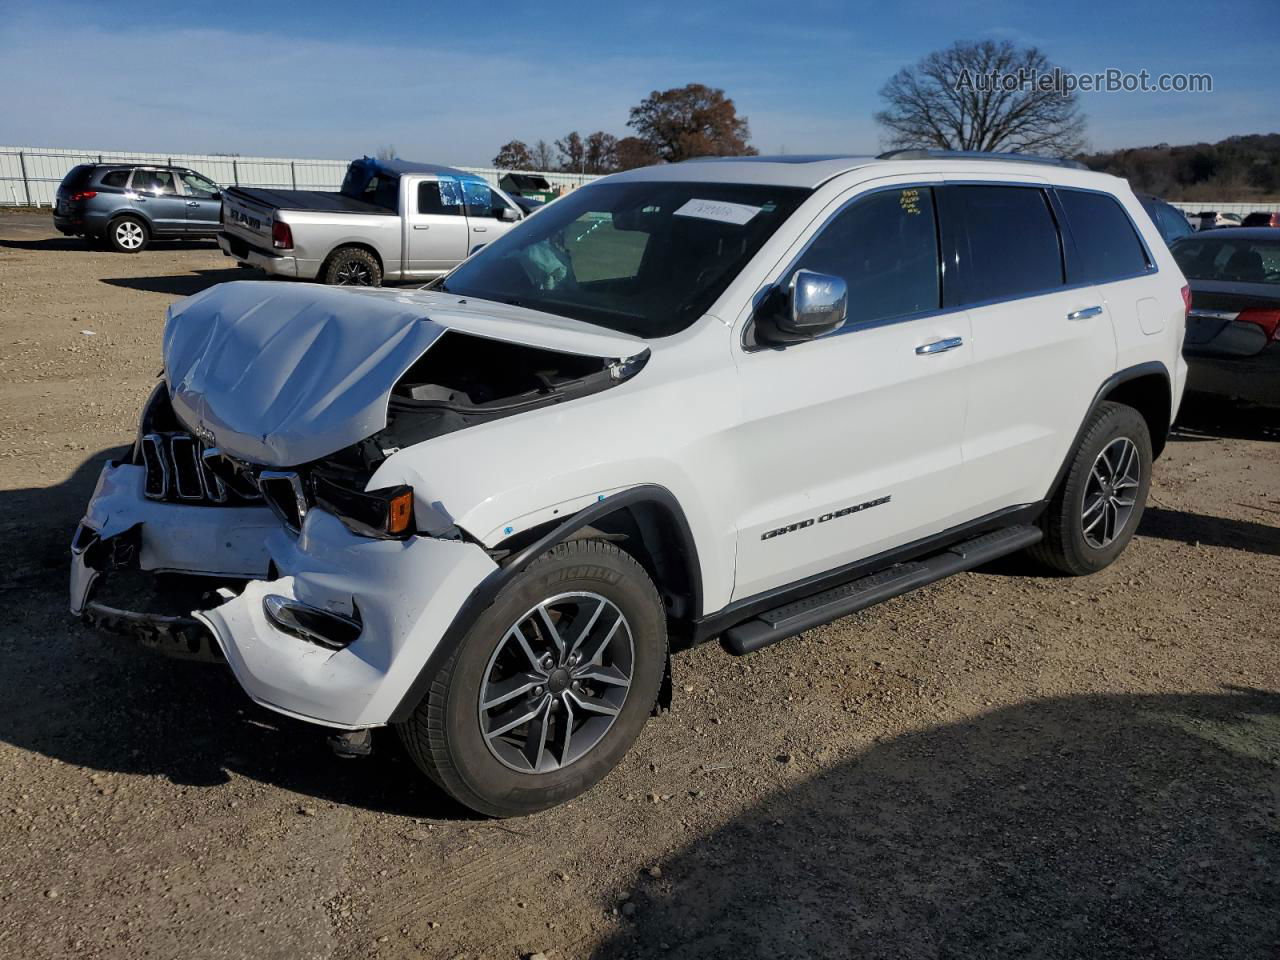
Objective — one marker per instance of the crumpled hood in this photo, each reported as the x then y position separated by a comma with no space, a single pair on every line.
282,374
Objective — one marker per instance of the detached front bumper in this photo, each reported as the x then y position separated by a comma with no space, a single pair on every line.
400,595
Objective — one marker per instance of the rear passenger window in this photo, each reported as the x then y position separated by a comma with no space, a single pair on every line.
885,247
116,178
1003,243
153,181
1105,239
435,198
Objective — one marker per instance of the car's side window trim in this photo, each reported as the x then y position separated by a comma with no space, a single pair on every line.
750,345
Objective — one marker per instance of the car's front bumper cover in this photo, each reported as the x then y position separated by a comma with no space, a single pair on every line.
402,593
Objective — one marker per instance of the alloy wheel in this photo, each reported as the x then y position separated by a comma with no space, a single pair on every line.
353,273
556,682
1110,493
129,235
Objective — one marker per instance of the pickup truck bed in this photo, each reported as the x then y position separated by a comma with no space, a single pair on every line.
322,201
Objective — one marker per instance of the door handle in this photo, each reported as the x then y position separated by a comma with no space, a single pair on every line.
1084,314
422,226
193,203
939,346
479,229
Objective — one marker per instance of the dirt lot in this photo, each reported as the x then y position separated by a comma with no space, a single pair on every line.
1001,765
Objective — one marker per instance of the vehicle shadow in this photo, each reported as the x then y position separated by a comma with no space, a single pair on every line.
1085,826
184,285
78,243
1196,528
1203,417
104,703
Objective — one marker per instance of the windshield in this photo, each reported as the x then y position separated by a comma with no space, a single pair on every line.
646,258
1239,259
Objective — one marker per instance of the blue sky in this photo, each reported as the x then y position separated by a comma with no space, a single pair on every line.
450,83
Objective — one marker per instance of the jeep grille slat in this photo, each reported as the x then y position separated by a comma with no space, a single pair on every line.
180,468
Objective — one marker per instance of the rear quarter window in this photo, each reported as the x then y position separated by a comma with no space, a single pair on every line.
115,178
1106,241
78,176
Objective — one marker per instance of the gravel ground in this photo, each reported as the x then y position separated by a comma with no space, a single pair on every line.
1003,764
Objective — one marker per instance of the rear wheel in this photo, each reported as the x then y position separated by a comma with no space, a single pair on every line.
353,267
128,235
1094,513
549,688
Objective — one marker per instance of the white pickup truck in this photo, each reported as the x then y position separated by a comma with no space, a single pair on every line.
392,220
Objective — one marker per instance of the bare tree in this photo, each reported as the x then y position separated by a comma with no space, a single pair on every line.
386,152
572,152
601,153
544,157
982,96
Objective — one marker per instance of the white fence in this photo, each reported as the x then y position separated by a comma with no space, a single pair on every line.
30,175
1255,206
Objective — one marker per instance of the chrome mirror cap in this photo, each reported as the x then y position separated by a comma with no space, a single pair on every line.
817,303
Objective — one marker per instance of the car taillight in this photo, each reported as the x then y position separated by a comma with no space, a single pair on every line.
83,195
281,236
1268,320
1186,299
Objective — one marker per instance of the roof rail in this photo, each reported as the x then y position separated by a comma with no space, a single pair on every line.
979,155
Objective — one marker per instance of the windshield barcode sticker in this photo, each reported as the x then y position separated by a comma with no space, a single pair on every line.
718,210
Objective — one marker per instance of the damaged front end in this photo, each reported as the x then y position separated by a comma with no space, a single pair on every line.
242,527
127,580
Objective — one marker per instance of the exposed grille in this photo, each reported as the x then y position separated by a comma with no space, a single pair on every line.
181,469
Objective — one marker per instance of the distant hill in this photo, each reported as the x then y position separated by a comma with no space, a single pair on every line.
1237,168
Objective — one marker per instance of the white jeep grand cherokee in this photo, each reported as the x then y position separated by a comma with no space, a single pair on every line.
736,398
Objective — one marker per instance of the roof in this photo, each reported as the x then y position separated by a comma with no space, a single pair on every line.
813,170
1236,233
401,167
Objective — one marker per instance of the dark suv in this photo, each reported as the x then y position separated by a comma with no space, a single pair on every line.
131,204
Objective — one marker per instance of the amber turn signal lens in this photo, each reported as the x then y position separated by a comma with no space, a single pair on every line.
400,512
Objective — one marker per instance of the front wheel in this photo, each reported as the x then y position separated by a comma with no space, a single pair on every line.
1098,507
353,267
550,686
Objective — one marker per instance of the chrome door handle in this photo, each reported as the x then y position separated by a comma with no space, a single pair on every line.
479,229
193,203
1084,314
939,346
422,226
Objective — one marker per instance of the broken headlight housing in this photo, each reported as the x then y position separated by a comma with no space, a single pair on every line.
386,514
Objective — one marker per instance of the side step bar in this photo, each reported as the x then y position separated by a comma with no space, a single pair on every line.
801,615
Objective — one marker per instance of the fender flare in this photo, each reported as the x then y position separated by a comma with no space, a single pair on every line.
1116,379
489,588
133,214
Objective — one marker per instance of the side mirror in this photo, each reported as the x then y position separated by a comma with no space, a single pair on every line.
812,304
508,215
216,195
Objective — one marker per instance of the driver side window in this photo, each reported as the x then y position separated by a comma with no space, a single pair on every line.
885,247
197,186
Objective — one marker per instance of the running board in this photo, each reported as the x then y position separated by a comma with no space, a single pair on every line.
801,615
